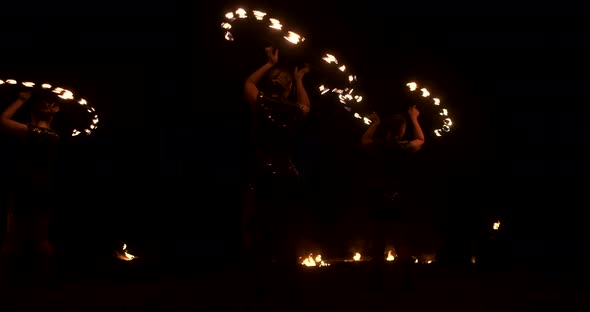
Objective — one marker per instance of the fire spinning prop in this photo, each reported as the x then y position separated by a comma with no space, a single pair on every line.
442,112
346,93
65,96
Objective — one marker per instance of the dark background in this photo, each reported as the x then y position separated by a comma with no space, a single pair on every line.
164,168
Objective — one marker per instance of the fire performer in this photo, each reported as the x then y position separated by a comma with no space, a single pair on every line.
32,187
387,152
274,185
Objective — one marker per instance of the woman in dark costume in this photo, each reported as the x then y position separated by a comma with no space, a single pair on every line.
386,170
32,187
273,188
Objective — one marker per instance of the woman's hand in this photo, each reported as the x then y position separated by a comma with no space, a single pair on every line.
273,57
413,112
299,73
24,95
375,118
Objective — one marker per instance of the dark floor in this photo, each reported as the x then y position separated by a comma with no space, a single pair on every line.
335,288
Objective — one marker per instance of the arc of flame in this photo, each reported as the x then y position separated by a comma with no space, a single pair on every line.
28,84
425,92
436,101
11,81
412,85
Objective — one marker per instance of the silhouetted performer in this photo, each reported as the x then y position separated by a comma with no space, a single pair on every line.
274,182
385,173
32,186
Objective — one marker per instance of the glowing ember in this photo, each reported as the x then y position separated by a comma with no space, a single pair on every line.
293,37
125,255
228,36
258,15
275,24
241,13
496,225
390,256
67,95
329,58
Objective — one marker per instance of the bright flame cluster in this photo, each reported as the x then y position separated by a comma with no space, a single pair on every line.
65,95
310,261
447,122
346,94
125,255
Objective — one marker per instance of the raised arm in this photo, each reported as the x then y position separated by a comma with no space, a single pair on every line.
302,98
416,143
10,126
367,138
250,88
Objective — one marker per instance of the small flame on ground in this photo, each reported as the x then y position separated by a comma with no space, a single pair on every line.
356,257
310,261
125,255
390,256
496,225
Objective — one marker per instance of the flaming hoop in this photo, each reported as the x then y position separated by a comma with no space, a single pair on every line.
63,95
442,113
346,92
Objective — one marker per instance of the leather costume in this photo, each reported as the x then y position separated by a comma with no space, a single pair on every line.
275,125
36,171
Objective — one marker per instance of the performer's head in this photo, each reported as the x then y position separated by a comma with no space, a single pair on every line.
395,126
43,108
280,82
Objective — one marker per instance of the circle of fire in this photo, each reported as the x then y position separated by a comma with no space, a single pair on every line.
63,94
346,93
445,127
